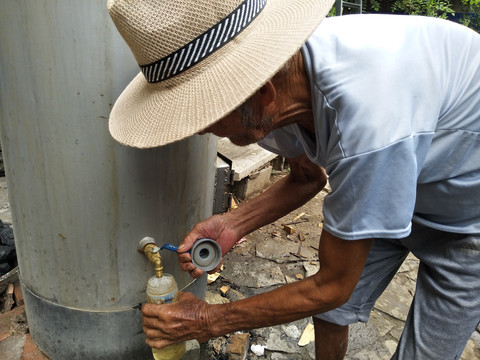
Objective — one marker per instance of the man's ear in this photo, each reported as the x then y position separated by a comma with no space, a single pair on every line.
267,93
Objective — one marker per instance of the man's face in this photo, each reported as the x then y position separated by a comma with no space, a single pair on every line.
243,126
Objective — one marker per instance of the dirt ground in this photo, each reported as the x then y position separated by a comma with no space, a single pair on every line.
270,257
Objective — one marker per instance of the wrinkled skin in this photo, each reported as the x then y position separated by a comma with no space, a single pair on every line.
176,322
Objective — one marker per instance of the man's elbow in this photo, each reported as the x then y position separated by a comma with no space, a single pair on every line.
334,293
340,297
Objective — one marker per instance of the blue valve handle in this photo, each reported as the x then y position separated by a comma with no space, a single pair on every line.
170,247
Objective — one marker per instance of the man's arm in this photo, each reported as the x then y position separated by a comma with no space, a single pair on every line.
341,264
303,182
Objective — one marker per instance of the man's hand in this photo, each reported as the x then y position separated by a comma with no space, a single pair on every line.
213,228
172,323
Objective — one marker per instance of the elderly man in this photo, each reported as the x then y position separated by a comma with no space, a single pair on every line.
388,107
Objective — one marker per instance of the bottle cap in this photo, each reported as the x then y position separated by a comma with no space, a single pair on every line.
206,254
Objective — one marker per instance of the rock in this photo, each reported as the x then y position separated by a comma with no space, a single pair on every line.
6,235
224,290
213,298
277,341
362,336
6,252
235,295
218,344
280,253
311,267
285,250
472,349
258,350
396,300
237,346
279,356
308,335
289,229
292,331
192,351
383,323
212,277
4,268
12,347
255,273
290,279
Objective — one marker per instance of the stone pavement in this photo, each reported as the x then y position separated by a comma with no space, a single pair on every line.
375,340
269,258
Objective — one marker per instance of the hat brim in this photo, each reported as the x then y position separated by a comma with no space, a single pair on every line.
150,115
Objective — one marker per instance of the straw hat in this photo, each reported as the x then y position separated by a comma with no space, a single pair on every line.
201,59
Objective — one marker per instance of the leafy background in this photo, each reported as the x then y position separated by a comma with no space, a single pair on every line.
466,12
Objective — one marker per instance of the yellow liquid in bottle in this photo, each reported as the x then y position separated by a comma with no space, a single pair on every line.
172,352
158,291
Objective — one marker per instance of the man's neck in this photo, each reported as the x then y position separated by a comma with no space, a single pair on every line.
293,103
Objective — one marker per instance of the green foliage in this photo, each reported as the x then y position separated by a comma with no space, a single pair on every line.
473,20
332,11
469,9
434,8
375,5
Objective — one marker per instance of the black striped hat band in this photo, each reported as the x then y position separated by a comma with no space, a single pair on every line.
204,44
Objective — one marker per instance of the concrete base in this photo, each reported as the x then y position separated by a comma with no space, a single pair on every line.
251,167
253,184
245,159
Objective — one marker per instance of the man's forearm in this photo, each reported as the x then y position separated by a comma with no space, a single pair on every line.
282,305
341,262
284,196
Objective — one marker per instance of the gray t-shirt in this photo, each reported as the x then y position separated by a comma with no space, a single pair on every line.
396,103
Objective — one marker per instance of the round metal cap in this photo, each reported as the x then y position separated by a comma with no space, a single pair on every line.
145,241
206,254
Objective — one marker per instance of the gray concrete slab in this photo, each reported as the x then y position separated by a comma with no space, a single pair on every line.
245,159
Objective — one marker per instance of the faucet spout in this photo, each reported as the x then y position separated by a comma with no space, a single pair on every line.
149,248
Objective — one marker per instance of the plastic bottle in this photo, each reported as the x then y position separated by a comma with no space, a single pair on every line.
161,290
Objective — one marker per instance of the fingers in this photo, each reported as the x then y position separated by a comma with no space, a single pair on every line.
184,246
185,263
154,326
175,322
149,310
188,241
210,228
158,343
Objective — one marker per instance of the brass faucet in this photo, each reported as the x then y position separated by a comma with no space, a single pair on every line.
149,248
